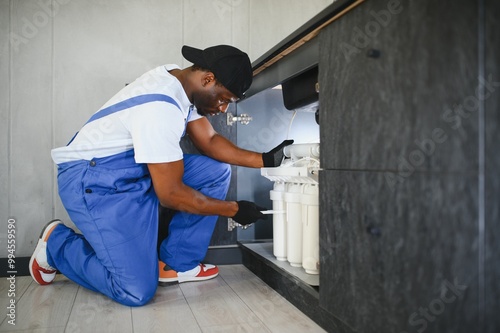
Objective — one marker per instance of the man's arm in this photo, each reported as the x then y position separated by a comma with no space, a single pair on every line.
173,193
210,143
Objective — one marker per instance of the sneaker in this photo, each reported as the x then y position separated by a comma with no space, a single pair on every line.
40,269
199,273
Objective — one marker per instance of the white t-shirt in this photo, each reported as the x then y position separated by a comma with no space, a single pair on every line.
135,118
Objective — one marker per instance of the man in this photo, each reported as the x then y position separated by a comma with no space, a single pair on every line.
126,160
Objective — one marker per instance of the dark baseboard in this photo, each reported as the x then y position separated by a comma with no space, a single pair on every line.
217,255
224,255
20,269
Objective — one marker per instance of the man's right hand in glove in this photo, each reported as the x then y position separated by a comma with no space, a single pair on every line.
248,213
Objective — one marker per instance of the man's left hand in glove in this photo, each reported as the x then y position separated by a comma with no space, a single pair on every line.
274,157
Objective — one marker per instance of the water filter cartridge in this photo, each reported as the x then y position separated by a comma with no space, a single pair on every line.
277,195
310,220
294,224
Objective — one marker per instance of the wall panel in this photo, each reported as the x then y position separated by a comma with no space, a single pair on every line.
272,21
4,121
31,123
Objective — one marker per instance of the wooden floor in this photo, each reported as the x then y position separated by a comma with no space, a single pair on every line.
235,301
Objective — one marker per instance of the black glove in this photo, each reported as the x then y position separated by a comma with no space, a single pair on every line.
274,157
248,213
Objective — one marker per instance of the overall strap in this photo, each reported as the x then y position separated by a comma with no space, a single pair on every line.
131,102
128,103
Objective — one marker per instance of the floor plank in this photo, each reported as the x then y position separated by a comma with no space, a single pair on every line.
214,304
167,311
93,312
22,284
39,330
43,307
7,293
266,304
255,327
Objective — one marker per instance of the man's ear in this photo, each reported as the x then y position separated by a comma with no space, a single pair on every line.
207,78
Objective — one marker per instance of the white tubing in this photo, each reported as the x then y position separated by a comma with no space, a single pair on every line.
268,212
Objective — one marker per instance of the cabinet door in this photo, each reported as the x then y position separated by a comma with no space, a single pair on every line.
398,86
492,167
399,261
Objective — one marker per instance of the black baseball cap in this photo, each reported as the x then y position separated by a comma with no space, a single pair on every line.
231,67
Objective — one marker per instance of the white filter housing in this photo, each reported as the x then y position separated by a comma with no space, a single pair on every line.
294,224
310,228
279,221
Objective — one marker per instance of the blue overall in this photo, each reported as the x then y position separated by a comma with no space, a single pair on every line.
113,203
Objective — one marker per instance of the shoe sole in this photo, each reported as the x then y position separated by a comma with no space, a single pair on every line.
46,231
186,279
44,235
180,279
168,280
194,278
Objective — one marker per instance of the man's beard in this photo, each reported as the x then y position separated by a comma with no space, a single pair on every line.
202,101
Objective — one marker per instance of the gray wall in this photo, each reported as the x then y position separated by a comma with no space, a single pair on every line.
59,65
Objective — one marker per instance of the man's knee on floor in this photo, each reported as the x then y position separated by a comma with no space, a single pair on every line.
139,294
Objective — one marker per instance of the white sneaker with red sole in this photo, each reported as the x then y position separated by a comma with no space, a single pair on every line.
199,273
40,269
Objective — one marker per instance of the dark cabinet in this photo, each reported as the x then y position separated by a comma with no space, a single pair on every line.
398,87
409,123
403,259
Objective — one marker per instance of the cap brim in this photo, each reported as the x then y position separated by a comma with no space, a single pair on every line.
194,55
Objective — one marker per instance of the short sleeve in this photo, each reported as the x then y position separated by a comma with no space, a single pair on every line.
194,115
156,129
